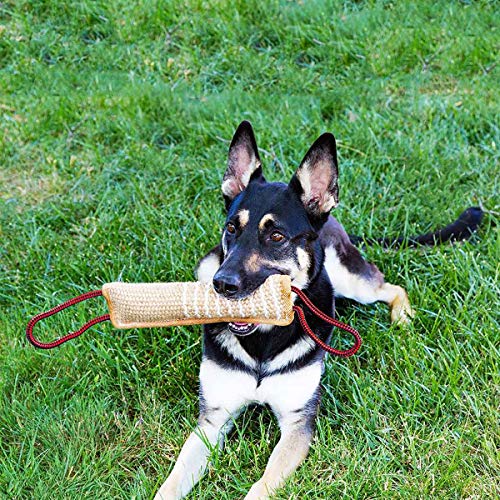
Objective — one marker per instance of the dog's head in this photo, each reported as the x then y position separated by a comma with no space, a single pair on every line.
272,228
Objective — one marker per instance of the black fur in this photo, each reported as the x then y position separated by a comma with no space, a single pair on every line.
261,198
334,234
264,346
461,229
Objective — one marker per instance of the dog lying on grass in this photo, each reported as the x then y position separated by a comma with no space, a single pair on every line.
276,228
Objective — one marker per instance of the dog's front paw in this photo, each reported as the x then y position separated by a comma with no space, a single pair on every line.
259,491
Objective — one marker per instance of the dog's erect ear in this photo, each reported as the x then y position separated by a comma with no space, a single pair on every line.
315,181
243,163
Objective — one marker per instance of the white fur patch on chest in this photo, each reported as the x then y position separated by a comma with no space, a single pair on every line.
290,354
288,392
231,389
230,343
225,388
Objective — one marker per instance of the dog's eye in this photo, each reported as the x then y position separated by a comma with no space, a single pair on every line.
277,237
230,228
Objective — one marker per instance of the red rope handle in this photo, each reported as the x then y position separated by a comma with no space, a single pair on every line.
49,345
328,319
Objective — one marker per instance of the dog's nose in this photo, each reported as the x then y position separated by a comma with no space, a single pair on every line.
227,285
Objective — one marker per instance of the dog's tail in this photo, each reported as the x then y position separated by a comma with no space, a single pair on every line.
460,230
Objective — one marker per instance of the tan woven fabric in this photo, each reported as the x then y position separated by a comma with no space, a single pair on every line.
143,305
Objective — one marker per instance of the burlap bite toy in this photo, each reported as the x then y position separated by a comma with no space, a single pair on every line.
146,305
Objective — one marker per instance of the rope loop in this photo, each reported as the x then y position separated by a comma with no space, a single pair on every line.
332,321
49,345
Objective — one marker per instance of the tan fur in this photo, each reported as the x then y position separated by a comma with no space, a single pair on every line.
264,220
301,278
298,273
190,466
288,454
303,258
226,393
318,189
253,262
401,310
243,217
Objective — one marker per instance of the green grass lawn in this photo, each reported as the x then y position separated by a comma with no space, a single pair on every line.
115,118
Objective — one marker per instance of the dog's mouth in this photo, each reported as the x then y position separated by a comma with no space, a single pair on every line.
242,329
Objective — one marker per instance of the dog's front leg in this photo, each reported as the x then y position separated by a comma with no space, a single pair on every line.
194,455
288,454
294,398
223,393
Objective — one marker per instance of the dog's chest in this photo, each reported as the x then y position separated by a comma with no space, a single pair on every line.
230,388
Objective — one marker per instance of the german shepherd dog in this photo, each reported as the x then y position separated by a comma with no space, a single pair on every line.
276,228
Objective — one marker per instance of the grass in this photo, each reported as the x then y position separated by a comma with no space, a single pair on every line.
115,119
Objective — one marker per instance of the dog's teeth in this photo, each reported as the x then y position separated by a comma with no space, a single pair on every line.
241,328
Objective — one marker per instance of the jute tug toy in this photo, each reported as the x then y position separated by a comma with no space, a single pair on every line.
146,305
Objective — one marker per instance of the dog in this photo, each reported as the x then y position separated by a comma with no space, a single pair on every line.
276,228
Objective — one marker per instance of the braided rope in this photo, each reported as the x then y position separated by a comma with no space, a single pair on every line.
49,345
332,321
